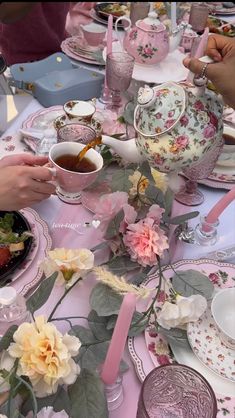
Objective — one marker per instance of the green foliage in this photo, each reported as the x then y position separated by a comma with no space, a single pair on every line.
40,296
120,180
104,300
192,282
7,338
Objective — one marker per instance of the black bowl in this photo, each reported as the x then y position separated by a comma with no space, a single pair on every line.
101,11
20,225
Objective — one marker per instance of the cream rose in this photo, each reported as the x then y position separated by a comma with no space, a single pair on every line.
183,311
70,264
45,355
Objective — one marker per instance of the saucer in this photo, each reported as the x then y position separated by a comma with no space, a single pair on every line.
63,120
203,336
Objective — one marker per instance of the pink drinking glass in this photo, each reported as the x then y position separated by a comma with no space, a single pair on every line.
119,70
176,391
190,195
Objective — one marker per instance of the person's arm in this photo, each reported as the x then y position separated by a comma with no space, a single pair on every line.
222,50
11,12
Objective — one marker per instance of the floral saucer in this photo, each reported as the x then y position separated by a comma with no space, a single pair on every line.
63,120
224,175
204,339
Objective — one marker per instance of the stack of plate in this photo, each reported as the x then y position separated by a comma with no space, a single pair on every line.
77,48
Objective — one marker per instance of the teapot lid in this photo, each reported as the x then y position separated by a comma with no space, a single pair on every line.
159,108
151,23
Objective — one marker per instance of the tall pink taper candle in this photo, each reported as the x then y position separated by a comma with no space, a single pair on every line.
109,42
199,52
220,206
111,365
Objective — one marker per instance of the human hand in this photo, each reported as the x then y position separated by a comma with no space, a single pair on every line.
22,186
23,159
222,50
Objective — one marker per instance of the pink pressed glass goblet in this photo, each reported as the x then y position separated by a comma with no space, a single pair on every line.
191,195
119,70
176,391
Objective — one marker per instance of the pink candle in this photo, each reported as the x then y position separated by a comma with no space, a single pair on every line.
220,206
109,42
199,52
117,344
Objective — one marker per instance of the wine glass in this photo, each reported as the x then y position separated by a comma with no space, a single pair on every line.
119,70
191,195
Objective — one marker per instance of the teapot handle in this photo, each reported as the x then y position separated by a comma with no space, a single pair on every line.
120,38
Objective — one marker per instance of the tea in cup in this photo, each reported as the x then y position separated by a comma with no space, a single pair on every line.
227,156
223,312
93,33
79,110
71,177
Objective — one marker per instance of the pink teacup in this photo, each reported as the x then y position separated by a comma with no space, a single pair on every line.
94,34
70,183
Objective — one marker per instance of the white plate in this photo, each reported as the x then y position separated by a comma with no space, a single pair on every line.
170,69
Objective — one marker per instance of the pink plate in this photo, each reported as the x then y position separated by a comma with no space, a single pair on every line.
33,274
216,184
67,50
148,351
90,197
43,118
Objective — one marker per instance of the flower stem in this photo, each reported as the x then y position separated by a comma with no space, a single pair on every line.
62,298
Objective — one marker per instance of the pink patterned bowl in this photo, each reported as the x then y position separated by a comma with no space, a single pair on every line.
76,132
176,391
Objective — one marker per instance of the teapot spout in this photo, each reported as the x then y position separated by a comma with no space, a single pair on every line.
125,149
176,37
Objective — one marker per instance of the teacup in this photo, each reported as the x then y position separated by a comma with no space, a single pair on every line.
223,312
80,110
227,156
70,183
93,33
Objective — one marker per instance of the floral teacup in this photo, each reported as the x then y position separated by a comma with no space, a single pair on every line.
80,110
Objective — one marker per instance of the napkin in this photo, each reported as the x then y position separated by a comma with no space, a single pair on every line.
229,115
38,140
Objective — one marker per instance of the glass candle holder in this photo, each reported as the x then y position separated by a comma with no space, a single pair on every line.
171,390
205,232
198,17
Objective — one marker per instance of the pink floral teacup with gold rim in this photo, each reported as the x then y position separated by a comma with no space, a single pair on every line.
70,183
79,110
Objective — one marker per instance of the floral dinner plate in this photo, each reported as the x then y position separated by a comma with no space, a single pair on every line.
204,339
145,359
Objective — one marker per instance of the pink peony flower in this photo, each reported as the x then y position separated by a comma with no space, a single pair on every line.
155,213
209,131
182,141
145,241
199,105
130,216
184,120
109,205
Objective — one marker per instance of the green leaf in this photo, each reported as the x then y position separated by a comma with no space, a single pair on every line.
113,227
59,400
120,180
100,246
104,300
138,278
174,334
145,170
155,195
98,326
84,334
180,219
169,198
40,296
121,265
7,338
192,282
87,396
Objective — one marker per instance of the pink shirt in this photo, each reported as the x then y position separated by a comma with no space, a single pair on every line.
37,35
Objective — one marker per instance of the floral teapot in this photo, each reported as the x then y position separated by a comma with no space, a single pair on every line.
176,125
149,41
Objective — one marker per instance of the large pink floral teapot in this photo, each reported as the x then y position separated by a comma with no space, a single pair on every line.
176,125
149,41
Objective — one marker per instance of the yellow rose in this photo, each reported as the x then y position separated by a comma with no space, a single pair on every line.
45,355
136,182
70,264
